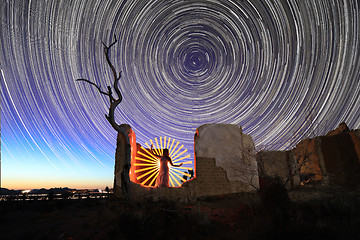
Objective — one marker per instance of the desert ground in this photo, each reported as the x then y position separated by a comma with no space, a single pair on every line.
305,213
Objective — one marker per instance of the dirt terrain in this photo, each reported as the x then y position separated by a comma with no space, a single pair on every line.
262,215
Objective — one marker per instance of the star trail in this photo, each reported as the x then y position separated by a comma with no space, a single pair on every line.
283,70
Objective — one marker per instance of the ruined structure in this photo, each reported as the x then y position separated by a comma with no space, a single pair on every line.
232,151
333,159
122,174
277,164
224,163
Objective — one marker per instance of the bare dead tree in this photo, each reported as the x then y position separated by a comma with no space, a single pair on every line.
114,102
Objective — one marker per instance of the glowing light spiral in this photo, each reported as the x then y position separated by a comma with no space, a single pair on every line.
147,165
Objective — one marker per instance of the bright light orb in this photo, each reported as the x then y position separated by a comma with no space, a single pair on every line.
147,165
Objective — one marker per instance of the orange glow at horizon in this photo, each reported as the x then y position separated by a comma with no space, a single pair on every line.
24,184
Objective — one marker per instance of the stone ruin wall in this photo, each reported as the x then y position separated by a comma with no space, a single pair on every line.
232,151
276,164
224,163
333,159
120,156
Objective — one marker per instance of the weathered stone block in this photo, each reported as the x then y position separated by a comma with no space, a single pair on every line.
330,159
274,164
232,150
308,156
121,158
355,136
210,179
340,159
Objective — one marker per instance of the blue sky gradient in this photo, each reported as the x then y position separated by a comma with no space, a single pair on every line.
283,70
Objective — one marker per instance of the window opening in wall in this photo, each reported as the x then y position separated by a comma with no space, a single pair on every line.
146,166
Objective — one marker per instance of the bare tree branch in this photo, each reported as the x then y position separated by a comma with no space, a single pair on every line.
116,77
109,93
111,117
113,102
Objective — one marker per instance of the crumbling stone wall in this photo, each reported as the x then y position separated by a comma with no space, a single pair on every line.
341,160
308,156
210,180
224,163
330,159
121,159
272,164
232,150
355,137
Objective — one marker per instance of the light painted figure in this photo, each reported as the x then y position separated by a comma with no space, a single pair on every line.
163,178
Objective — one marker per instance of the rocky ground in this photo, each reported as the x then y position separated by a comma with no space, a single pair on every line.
263,215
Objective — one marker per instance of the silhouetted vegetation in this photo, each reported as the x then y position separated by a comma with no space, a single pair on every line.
114,101
191,173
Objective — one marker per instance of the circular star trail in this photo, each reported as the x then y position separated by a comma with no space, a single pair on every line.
283,70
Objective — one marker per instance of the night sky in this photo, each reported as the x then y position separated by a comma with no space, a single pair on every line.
283,70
